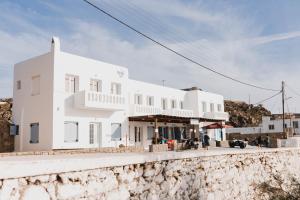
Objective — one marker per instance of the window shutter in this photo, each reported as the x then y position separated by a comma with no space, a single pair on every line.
34,133
71,132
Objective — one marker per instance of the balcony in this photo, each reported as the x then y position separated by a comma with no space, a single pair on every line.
178,113
99,101
139,110
216,115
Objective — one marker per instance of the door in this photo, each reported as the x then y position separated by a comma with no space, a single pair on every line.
95,134
138,135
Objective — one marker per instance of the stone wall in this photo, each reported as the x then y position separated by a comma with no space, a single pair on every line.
215,176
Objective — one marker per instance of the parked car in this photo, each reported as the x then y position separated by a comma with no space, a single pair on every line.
233,143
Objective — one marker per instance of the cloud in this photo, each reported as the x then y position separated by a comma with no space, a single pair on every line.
272,38
224,50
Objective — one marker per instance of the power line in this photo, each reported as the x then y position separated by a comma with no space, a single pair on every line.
264,100
294,91
151,22
175,52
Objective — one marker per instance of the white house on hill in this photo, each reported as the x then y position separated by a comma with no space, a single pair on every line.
64,101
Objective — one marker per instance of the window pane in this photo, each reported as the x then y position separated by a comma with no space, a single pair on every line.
181,105
150,131
91,133
71,132
116,131
34,133
204,106
18,85
212,108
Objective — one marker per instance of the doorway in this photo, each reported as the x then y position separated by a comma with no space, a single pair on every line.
138,135
95,134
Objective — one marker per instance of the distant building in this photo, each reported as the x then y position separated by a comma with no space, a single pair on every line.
271,124
64,101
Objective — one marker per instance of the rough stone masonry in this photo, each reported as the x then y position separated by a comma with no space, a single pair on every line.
235,175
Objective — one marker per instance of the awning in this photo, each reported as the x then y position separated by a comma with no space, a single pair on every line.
168,119
217,126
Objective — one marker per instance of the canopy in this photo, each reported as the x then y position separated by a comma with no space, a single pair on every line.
217,126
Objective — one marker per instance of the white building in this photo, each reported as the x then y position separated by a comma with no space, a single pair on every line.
64,101
271,124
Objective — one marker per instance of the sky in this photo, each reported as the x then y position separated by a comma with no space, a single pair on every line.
254,41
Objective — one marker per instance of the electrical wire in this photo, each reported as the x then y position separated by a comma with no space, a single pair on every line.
264,100
294,91
175,52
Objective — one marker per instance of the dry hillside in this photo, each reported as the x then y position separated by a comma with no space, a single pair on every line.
6,141
244,115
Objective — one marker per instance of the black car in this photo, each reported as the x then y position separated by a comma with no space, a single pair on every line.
240,143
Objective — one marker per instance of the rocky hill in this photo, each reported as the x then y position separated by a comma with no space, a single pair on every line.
244,115
6,141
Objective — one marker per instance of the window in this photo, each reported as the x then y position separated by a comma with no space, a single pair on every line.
271,127
71,132
150,100
95,85
181,104
150,132
137,134
138,99
219,108
92,134
204,107
71,83
14,129
295,124
212,107
285,125
95,128
115,88
19,85
115,131
35,85
173,103
164,103
34,133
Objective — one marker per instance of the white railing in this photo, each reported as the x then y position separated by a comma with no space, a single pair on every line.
137,110
179,112
98,100
104,98
216,115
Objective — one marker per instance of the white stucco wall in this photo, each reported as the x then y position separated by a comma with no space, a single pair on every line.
29,109
53,106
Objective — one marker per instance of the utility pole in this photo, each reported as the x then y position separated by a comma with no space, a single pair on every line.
283,117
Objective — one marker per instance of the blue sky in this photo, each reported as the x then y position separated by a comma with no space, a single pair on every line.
255,41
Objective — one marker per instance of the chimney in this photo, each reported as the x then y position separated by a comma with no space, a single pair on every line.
55,44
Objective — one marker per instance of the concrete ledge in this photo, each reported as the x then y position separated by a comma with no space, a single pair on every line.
22,166
158,147
136,149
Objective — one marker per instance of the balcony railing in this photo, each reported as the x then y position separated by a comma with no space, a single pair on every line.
138,110
216,115
178,112
97,100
